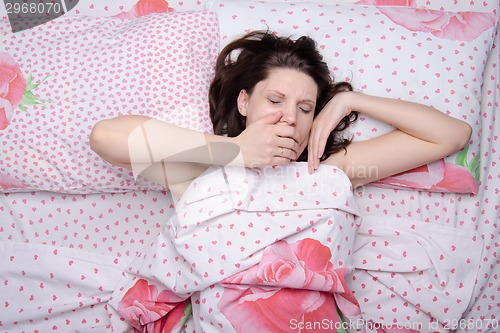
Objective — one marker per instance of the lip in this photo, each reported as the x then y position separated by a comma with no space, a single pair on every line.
302,146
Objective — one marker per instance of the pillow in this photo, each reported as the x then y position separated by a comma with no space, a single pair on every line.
74,71
432,57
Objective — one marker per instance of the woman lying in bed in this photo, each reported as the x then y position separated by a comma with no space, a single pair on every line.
266,105
243,233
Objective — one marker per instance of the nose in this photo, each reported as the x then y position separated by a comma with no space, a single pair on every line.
289,115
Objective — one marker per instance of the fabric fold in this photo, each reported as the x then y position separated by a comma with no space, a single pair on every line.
417,272
48,286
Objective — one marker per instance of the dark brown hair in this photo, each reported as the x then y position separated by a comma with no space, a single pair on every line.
248,60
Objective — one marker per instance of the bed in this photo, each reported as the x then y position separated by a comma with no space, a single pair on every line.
71,224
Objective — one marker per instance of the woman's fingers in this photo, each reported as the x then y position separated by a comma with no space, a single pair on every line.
312,150
286,153
284,145
288,143
265,143
316,147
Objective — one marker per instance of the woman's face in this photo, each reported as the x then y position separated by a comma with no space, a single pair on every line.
289,91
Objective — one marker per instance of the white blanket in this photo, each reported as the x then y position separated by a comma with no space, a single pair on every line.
255,250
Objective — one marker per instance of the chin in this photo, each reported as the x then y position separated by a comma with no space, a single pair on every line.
301,151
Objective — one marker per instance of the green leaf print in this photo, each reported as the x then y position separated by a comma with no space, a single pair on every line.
473,166
29,98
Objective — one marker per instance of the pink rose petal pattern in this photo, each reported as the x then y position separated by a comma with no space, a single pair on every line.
146,7
12,86
293,283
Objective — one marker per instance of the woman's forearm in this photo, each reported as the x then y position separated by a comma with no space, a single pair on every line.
167,154
421,121
138,140
423,134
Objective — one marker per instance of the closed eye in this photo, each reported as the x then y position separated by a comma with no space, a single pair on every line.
306,109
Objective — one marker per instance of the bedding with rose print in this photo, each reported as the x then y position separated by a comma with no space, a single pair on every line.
253,250
281,250
16,92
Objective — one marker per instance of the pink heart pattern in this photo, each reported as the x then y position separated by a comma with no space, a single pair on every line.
99,68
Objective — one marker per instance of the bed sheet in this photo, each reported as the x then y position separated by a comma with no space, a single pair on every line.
119,224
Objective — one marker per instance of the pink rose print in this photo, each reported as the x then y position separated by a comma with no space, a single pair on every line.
303,265
12,86
292,285
256,309
464,26
145,7
15,90
439,176
149,311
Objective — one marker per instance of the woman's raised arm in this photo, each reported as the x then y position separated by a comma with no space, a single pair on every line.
423,134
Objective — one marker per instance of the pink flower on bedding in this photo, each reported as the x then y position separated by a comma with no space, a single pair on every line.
12,86
292,285
305,264
145,7
440,176
256,309
464,26
144,308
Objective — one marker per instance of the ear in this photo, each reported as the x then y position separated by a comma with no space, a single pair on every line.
243,102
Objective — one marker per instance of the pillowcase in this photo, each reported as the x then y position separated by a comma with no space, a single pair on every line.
426,56
74,71
102,8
